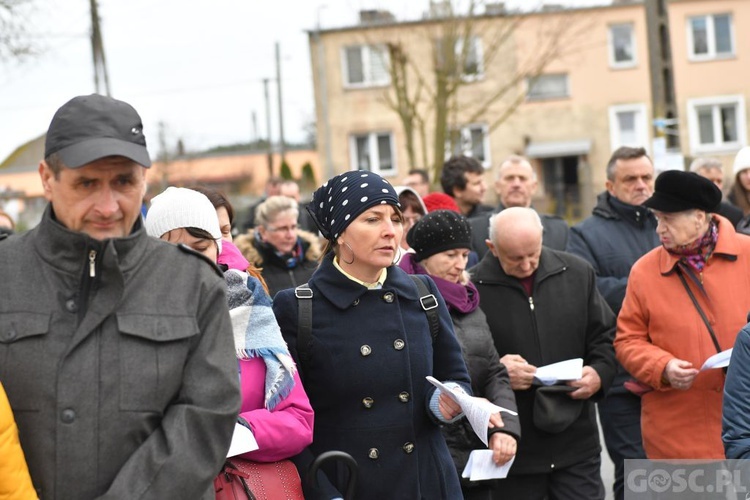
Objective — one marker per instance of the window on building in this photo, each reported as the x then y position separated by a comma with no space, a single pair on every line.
628,126
621,46
471,140
373,152
471,60
717,123
710,37
366,66
547,87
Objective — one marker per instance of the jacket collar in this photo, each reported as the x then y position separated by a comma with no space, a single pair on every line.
68,250
609,207
489,270
727,247
343,292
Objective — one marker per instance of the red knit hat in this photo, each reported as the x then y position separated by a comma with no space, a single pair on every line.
439,201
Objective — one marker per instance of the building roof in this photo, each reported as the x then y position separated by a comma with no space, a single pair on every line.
25,157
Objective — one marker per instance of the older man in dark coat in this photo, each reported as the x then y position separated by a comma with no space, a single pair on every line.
542,307
618,233
515,186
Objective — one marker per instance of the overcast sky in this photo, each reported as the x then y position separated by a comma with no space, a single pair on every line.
196,66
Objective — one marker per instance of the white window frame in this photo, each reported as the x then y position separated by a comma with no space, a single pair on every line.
465,132
372,138
696,147
710,38
476,41
566,95
641,125
366,56
613,63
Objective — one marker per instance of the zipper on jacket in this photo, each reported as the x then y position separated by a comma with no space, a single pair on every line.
531,303
92,263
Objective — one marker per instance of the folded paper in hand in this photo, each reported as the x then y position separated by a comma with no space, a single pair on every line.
477,410
480,466
243,441
719,360
570,369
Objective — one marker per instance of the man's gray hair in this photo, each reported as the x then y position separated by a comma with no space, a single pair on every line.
704,163
515,160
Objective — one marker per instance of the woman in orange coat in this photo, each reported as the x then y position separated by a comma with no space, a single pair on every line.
15,482
662,339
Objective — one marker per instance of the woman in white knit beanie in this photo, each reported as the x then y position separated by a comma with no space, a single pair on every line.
275,406
180,215
740,194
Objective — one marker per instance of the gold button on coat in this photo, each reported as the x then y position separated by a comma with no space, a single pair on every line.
408,447
373,453
404,397
365,350
368,402
388,297
398,344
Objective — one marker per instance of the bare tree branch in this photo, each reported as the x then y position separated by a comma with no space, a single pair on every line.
15,42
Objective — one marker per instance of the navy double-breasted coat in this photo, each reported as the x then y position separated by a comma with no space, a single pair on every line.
370,353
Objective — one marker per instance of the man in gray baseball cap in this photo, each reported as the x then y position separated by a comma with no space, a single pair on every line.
116,349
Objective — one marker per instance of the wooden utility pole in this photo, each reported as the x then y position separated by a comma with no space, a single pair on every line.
268,127
281,109
97,50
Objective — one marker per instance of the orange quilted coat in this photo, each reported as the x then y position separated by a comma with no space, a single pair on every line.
658,322
15,482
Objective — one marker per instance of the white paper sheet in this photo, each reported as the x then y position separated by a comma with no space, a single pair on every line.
477,410
570,369
480,466
719,360
242,441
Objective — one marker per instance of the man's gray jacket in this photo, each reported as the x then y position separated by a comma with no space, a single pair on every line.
118,360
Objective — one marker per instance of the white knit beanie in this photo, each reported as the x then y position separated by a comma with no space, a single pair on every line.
179,207
741,161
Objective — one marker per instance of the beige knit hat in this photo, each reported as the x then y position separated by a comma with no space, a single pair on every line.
180,207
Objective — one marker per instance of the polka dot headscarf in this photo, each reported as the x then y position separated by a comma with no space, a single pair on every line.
340,200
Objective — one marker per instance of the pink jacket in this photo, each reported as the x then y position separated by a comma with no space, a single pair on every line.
283,432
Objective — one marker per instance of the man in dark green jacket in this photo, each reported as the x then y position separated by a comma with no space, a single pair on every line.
116,349
542,307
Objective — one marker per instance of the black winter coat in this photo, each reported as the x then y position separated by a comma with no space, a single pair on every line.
280,272
611,240
566,317
489,379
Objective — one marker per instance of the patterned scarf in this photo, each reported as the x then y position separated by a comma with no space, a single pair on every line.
696,254
458,297
257,334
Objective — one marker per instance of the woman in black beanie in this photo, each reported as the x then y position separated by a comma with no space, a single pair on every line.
369,348
441,241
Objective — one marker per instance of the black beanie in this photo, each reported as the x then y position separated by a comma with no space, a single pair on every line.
439,231
677,191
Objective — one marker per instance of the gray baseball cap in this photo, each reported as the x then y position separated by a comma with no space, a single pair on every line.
88,128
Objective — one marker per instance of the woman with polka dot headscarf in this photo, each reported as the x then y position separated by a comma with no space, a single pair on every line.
371,348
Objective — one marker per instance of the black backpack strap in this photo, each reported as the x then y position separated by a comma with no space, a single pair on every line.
304,296
429,303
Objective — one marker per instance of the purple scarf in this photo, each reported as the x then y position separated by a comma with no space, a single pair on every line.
458,297
696,254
